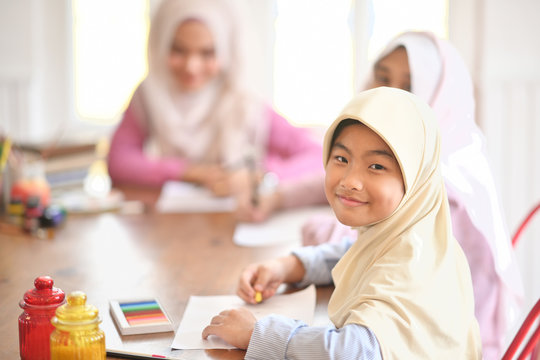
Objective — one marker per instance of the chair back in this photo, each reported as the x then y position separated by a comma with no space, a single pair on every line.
522,333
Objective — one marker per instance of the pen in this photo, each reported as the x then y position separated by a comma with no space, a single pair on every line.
254,184
135,355
258,297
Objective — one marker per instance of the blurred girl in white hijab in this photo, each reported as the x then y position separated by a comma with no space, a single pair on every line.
431,68
195,117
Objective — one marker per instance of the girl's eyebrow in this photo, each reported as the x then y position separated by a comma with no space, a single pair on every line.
341,146
380,67
386,69
383,153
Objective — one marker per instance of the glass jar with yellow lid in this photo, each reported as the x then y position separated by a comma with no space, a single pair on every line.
77,335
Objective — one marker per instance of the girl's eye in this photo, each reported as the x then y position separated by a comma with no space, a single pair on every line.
208,54
382,79
177,50
341,159
376,167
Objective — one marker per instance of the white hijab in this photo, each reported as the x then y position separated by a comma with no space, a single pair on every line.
440,77
220,123
406,277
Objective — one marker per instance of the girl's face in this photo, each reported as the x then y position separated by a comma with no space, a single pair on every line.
192,59
393,71
363,179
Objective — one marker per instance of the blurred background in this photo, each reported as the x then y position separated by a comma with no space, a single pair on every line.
69,67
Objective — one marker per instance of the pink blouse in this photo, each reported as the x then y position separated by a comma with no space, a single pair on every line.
291,154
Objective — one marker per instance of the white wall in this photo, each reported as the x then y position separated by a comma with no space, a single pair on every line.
499,40
510,108
36,87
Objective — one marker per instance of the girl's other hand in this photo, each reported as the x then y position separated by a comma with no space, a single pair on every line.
234,326
211,176
265,206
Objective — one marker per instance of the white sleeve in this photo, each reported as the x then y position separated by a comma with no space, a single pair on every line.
319,261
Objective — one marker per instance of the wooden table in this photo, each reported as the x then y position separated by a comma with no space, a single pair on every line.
119,256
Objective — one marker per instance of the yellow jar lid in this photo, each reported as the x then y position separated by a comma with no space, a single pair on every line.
76,310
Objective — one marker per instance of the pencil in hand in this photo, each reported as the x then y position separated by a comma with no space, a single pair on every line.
254,183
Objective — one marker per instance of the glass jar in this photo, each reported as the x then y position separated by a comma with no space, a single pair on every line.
35,328
77,335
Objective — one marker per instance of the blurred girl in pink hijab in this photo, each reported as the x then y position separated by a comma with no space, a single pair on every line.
195,117
431,68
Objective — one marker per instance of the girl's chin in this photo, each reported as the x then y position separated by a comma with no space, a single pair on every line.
350,221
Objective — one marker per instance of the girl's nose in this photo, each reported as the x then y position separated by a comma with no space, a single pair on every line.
193,63
352,180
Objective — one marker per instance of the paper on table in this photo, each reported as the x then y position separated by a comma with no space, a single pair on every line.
180,197
199,311
283,227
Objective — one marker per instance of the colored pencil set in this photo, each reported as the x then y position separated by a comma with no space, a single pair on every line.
140,317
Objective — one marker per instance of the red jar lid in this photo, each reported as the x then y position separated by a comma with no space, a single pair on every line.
44,293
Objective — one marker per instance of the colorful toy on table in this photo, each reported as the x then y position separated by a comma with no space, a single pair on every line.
35,219
77,335
37,186
15,211
34,194
33,211
35,328
51,218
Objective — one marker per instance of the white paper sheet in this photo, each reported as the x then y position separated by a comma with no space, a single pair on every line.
199,311
182,197
283,227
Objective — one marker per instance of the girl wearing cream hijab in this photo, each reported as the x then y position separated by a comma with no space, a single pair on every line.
432,68
403,288
196,118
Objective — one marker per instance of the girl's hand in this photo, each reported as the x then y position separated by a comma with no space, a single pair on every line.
233,326
261,277
266,277
265,206
211,176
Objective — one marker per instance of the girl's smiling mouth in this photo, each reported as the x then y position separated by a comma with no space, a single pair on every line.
350,201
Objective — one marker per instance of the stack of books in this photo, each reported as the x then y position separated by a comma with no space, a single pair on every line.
64,165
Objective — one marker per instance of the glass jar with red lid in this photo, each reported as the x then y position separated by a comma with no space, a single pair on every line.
39,306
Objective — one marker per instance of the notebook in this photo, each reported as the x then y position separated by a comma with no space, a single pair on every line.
182,197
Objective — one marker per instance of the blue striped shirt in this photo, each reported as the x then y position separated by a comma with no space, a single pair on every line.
278,337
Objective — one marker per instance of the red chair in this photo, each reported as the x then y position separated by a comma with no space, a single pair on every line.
524,224
522,333
532,317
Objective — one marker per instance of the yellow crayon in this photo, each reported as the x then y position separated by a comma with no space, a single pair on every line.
258,297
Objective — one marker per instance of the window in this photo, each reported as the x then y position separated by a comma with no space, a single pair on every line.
109,44
313,62
320,48
314,65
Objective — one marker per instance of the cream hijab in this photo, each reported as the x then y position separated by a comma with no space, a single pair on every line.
216,124
406,278
440,77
